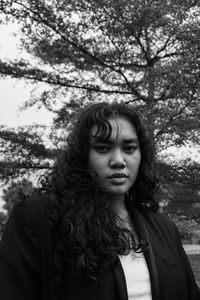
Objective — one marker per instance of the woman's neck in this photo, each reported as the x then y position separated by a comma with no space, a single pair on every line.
119,207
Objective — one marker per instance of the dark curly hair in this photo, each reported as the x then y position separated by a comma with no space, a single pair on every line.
88,234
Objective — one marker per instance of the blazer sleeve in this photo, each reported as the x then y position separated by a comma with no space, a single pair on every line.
20,267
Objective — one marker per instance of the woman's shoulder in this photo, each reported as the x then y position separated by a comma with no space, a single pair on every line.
160,226
39,208
45,201
155,217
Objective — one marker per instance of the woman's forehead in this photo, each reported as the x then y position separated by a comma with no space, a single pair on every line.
121,127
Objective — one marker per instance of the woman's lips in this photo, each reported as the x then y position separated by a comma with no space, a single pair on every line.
117,175
117,178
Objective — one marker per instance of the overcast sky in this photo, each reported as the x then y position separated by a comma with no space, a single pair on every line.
13,93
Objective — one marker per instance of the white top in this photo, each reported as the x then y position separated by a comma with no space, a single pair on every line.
137,276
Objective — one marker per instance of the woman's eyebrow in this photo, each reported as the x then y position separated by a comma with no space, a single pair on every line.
110,141
96,140
131,141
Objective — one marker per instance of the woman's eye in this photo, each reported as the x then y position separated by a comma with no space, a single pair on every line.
102,149
130,149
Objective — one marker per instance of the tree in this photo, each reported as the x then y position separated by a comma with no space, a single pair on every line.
142,52
24,151
3,220
12,194
15,191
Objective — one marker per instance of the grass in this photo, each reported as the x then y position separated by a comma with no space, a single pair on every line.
195,263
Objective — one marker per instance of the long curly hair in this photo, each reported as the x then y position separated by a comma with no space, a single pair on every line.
88,235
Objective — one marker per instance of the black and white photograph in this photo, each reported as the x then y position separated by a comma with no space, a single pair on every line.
99,150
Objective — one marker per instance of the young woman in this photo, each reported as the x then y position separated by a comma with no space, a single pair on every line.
93,231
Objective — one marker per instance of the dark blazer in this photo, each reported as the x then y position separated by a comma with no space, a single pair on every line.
26,259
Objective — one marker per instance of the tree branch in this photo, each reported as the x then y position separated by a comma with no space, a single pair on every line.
39,75
79,47
179,112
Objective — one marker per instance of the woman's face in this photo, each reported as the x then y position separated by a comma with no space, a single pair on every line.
116,160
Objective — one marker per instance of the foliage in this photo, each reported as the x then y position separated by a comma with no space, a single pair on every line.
3,219
187,224
145,52
15,192
24,151
12,194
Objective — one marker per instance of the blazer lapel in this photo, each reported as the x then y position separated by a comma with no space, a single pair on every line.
120,279
142,231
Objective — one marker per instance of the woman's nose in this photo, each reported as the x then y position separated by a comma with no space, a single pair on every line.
117,160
